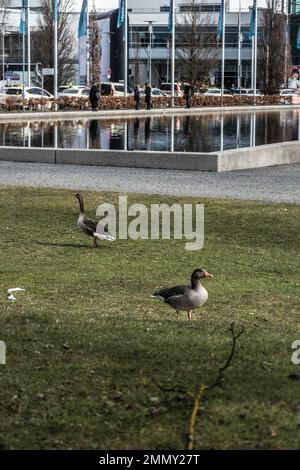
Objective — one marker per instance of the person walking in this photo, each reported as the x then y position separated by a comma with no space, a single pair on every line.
148,96
137,97
94,96
187,95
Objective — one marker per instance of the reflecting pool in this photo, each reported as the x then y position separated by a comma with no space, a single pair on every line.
184,133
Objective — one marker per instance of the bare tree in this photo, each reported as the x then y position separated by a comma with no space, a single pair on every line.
137,60
95,48
196,45
4,4
43,41
274,49
3,16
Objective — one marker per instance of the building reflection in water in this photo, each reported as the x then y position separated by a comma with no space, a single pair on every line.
191,133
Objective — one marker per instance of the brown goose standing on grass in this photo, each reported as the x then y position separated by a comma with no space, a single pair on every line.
89,226
186,297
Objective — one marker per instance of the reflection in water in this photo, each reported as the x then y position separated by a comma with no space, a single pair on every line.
192,133
94,141
147,131
187,125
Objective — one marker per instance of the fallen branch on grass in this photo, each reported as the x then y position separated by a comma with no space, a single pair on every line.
203,388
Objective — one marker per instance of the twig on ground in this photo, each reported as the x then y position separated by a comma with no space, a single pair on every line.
198,395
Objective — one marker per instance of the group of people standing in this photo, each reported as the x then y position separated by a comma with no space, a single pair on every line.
95,96
137,96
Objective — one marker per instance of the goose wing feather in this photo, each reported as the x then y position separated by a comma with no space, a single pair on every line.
89,226
170,292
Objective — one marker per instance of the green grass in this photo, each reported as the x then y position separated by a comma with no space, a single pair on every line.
85,341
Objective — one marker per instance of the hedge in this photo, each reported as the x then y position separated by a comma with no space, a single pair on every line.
121,102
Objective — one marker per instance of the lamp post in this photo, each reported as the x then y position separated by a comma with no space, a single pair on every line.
150,30
3,54
28,45
240,47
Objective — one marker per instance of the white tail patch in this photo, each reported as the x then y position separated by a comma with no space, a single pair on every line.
103,236
157,297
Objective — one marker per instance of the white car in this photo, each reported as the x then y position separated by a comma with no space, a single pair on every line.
216,92
112,89
288,92
154,92
167,89
75,92
29,92
249,91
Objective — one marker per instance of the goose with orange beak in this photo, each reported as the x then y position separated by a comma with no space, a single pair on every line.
186,298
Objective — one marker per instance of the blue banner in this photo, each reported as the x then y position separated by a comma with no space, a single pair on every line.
170,20
121,14
83,19
220,22
298,37
22,25
24,17
253,20
55,8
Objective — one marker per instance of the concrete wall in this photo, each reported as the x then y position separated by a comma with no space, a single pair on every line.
255,157
136,159
29,155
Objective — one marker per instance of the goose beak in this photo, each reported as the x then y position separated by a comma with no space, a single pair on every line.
208,274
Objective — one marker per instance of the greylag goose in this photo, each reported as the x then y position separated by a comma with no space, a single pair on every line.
89,226
186,297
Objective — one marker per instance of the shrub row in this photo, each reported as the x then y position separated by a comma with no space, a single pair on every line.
120,102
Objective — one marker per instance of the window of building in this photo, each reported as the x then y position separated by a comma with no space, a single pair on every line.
165,9
209,8
189,8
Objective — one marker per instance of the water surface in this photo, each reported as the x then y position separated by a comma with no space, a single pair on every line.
191,133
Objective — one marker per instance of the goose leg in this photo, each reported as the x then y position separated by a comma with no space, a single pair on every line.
177,314
190,315
95,243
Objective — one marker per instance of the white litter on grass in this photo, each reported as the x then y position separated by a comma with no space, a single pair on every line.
10,295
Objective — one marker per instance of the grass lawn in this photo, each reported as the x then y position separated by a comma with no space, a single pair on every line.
85,342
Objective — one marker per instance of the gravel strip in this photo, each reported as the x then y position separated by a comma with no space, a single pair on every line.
275,184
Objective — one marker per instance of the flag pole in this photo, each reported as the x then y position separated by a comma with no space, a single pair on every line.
125,49
87,44
28,45
23,51
173,53
223,50
55,48
255,53
239,46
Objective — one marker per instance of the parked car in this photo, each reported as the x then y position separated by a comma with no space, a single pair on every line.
250,91
288,92
29,92
62,88
154,92
167,88
75,92
216,92
113,89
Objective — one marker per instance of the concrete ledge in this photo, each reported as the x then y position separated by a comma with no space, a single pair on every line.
257,157
229,160
25,154
131,113
137,159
